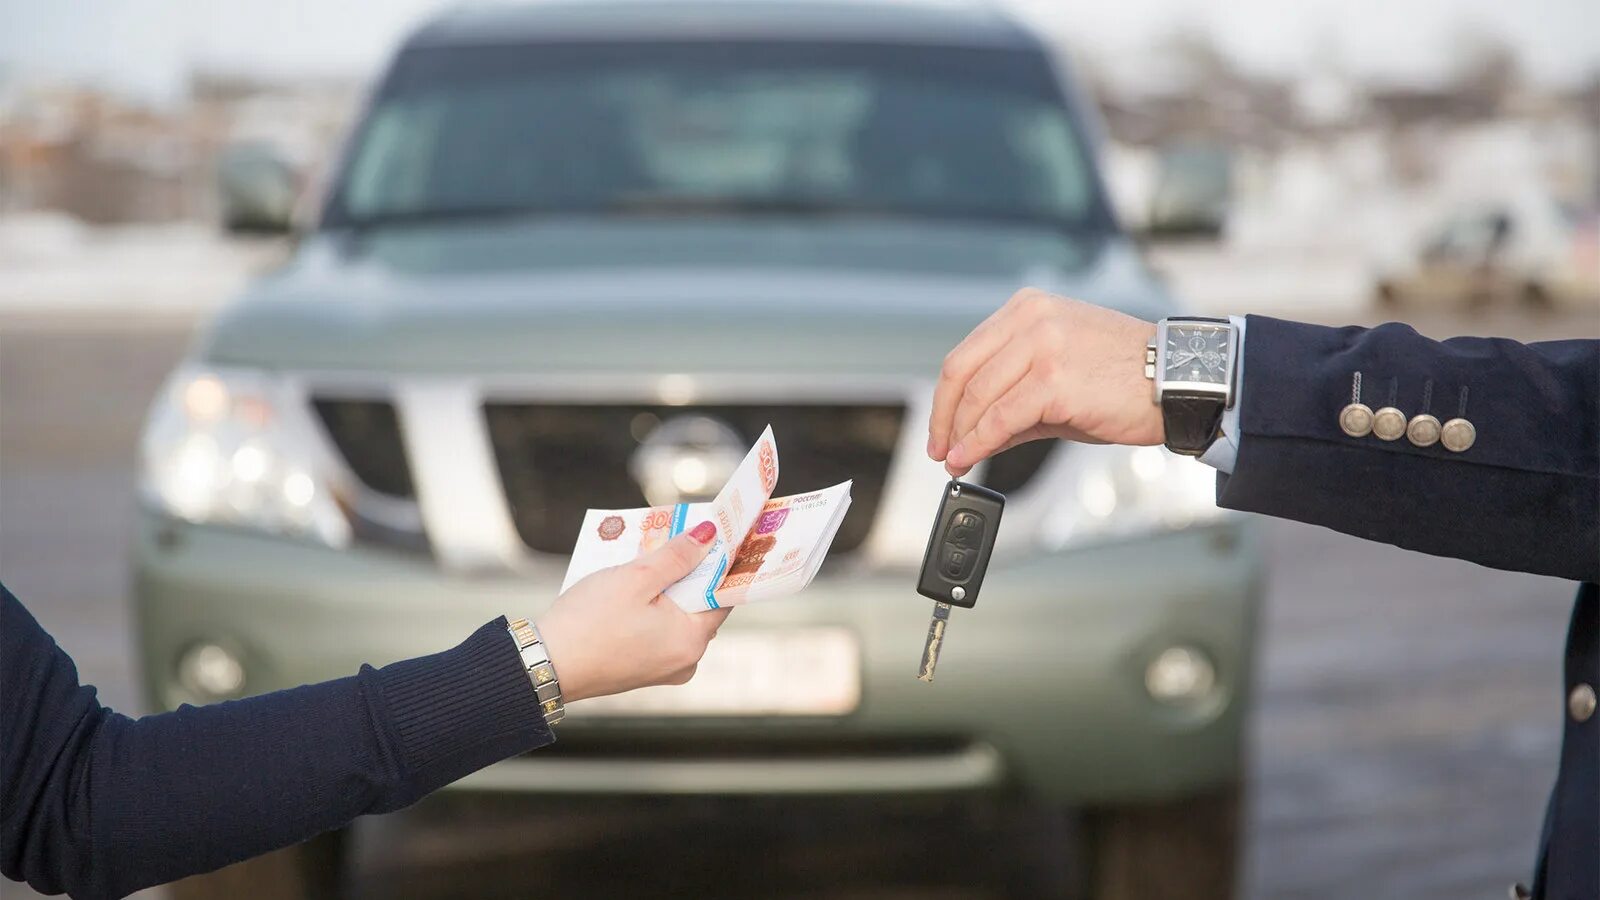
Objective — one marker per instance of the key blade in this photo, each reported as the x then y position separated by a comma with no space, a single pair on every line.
935,642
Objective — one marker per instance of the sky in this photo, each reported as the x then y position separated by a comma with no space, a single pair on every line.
147,47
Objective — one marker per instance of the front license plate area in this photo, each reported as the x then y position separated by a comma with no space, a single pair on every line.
794,672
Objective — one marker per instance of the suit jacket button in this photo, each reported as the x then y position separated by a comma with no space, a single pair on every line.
1356,420
1389,423
1423,430
1457,435
1581,702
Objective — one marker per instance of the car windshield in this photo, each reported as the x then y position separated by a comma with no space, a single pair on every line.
782,128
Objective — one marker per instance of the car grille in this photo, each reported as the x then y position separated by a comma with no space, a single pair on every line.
1010,471
367,434
557,461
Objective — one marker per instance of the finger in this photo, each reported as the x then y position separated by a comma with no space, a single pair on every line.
707,623
1036,433
670,562
959,366
1019,410
682,676
991,382
1039,432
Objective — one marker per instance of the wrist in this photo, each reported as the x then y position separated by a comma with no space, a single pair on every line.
565,659
1190,362
1149,425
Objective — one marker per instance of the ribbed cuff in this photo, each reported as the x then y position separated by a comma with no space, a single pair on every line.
455,712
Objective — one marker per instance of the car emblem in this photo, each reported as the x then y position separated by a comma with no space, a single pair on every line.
687,459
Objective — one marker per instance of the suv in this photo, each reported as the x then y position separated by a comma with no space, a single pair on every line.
568,237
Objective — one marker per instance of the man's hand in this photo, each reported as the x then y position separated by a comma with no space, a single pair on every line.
614,631
1043,367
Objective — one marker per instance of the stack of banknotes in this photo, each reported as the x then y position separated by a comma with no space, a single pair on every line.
766,546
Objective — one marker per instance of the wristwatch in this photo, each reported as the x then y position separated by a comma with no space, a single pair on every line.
1192,362
546,686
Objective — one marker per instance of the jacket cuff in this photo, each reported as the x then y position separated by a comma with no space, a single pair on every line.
455,712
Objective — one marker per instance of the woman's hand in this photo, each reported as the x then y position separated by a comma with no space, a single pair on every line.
1043,367
614,631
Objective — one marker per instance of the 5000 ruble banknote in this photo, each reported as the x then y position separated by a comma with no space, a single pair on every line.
765,547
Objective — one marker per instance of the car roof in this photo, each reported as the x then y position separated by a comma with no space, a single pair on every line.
955,23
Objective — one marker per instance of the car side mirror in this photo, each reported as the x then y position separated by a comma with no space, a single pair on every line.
1192,196
258,188
1195,225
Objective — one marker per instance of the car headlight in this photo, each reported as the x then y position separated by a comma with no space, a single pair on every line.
1102,491
223,447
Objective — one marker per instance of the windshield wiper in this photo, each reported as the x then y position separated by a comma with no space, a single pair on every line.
433,215
677,204
713,205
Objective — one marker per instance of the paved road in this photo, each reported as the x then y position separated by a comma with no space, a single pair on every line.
1405,737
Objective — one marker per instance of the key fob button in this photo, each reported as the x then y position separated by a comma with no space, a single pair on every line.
966,530
960,544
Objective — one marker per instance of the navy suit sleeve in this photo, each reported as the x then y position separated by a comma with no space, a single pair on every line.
1525,496
98,805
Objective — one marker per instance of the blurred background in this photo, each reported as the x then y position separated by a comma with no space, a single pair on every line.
1431,161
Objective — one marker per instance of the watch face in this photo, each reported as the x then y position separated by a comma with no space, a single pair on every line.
1197,353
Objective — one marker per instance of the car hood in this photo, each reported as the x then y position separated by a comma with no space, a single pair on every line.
868,297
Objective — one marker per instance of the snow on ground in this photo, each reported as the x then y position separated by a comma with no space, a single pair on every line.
53,264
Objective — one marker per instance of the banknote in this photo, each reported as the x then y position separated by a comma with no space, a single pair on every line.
765,546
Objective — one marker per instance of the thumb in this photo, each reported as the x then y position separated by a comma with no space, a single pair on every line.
674,559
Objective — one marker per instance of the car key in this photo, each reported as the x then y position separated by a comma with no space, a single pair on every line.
956,559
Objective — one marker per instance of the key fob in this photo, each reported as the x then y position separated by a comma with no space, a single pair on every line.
958,549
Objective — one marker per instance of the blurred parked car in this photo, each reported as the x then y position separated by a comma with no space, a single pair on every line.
261,188
574,235
1532,252
1193,193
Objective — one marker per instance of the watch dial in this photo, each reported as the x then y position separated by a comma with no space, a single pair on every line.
1197,353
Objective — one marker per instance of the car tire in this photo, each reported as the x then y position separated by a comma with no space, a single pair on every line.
1185,849
314,870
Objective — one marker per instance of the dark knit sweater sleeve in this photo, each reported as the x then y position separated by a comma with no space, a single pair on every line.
96,804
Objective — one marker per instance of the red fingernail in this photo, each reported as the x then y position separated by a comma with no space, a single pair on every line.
704,532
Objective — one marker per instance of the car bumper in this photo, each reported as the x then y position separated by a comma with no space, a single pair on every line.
1041,689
